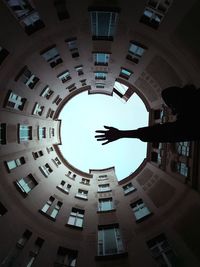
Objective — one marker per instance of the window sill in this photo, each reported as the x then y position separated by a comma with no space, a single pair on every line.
82,198
74,227
144,218
111,257
62,190
128,193
47,215
106,211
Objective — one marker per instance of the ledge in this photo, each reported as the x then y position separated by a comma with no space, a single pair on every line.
111,257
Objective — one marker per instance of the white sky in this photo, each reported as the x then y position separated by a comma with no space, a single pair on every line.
84,114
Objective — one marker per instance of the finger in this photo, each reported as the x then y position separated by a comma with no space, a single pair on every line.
101,139
105,143
100,131
107,127
97,136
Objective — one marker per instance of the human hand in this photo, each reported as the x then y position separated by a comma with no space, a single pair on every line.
110,135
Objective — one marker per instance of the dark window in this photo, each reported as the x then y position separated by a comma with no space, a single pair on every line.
3,54
61,9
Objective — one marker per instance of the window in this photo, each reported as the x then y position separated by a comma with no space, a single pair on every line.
154,12
41,132
120,90
3,210
61,9
27,77
34,251
50,113
49,149
100,85
25,133
73,48
76,218
128,188
15,101
64,76
37,154
83,82
125,73
85,181
66,257
51,55
101,58
100,75
109,240
71,175
161,251
46,92
26,184
26,14
57,100
56,161
51,132
46,170
79,70
2,133
105,204
103,177
24,239
3,54
63,187
103,23
38,109
12,164
83,194
51,208
140,210
71,87
135,51
183,148
182,168
104,188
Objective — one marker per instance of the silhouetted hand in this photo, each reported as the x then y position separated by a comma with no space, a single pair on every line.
110,135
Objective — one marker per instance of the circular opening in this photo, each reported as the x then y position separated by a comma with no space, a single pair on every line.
84,114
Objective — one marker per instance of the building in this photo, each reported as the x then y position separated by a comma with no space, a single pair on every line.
51,213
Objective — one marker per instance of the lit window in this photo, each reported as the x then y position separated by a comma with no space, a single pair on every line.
63,187
105,204
83,194
109,240
46,170
51,55
79,70
103,23
41,132
101,58
2,133
104,188
100,75
3,210
182,168
64,76
161,251
76,217
24,239
100,85
48,204
128,188
46,92
66,257
126,74
26,14
61,9
26,184
183,148
85,181
3,54
25,133
120,90
27,77
56,210
38,109
12,164
140,210
73,48
135,51
15,101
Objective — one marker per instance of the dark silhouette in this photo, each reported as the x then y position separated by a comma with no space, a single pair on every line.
184,103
